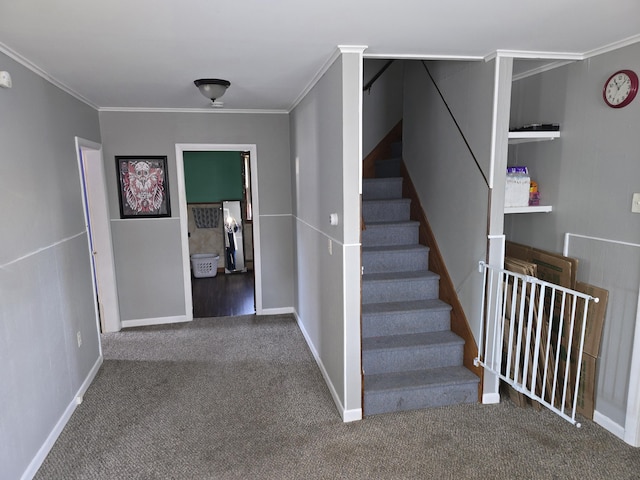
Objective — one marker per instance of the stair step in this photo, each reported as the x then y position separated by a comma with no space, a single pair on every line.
437,387
390,233
399,286
386,210
389,167
418,316
399,258
380,188
398,353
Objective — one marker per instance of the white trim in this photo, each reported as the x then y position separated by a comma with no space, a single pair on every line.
143,322
40,72
192,110
535,54
494,122
276,311
267,215
184,227
542,69
320,231
613,46
565,248
632,418
490,398
43,249
325,375
423,56
97,213
608,424
353,415
43,451
316,78
630,433
352,48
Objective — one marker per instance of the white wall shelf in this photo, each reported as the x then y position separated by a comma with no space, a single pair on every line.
535,209
539,136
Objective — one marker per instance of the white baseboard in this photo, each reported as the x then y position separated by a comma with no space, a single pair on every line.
276,311
347,415
46,447
608,424
144,322
352,415
490,398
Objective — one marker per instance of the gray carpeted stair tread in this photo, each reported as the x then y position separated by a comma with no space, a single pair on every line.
395,248
419,378
429,339
387,201
392,223
379,188
395,276
412,257
388,209
391,307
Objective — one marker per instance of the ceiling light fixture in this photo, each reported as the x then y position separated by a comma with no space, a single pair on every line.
212,88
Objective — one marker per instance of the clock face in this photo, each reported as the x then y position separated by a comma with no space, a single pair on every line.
620,89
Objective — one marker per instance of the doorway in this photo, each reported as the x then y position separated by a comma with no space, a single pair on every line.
97,220
226,291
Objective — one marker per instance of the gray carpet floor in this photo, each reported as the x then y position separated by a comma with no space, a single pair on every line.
242,398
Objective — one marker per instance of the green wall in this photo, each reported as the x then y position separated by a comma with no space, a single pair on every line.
213,176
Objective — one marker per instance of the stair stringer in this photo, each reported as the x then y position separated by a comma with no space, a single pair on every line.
447,292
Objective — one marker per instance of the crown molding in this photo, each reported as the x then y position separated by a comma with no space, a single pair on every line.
535,55
613,46
422,56
40,72
541,69
192,110
340,49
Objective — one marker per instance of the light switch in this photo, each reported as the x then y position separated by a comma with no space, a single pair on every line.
635,205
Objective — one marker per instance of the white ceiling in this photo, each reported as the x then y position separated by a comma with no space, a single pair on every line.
146,53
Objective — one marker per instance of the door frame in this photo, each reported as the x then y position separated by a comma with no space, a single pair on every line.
98,225
184,219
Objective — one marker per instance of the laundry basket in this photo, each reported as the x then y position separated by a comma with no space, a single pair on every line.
204,264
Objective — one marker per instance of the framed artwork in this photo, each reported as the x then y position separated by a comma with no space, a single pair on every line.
143,186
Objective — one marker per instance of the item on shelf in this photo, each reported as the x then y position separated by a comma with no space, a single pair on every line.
534,194
517,186
537,127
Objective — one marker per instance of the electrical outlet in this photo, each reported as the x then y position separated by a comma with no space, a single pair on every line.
79,337
330,247
635,204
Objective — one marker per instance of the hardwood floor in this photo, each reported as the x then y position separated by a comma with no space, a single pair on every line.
223,295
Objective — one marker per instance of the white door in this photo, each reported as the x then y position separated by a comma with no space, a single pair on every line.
99,232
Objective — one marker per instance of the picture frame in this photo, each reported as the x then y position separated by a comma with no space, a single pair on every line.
143,186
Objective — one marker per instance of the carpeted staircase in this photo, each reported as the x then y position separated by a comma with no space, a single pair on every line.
410,357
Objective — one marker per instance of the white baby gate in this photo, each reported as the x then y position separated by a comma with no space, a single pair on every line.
532,337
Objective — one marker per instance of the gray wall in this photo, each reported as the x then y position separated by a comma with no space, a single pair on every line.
46,293
148,250
589,176
382,105
451,188
326,180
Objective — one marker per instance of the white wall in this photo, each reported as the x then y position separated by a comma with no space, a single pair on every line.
451,188
148,254
46,294
589,176
326,163
382,105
